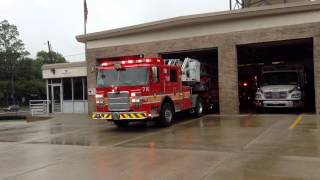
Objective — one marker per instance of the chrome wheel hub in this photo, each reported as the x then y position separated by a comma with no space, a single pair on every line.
200,109
168,115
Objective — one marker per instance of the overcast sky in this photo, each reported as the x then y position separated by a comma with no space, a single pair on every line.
59,21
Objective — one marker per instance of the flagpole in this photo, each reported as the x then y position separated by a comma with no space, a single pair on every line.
85,27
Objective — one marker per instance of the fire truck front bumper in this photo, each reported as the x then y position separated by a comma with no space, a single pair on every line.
279,104
116,116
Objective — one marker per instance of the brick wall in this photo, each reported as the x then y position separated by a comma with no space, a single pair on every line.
227,62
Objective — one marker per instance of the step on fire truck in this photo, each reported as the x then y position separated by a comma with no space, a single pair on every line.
151,88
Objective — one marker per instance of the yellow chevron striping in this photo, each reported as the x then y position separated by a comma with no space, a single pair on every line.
122,116
143,115
132,115
139,115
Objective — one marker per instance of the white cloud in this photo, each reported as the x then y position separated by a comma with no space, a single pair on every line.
61,20
42,3
8,2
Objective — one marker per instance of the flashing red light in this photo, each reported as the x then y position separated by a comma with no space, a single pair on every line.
105,64
132,61
245,84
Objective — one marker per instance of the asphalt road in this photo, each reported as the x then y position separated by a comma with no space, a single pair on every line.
71,147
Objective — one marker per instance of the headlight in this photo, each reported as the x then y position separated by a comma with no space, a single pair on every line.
297,88
99,101
135,100
296,95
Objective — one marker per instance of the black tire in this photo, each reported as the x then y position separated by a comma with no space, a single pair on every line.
166,115
199,109
121,124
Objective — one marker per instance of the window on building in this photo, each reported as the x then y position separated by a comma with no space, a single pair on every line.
67,89
173,75
85,88
78,88
49,95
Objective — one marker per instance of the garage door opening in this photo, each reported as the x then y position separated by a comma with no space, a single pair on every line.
209,68
281,58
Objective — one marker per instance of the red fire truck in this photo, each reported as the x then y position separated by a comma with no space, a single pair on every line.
150,88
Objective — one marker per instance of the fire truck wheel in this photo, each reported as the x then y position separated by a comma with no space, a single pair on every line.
166,115
198,110
121,124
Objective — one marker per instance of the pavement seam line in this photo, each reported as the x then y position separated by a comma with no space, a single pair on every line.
261,135
296,122
214,169
32,170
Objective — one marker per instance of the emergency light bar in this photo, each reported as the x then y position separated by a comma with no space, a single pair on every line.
123,62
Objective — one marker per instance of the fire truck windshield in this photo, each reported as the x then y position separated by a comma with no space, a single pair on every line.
125,77
280,78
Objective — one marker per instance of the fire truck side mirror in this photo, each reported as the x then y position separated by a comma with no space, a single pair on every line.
155,74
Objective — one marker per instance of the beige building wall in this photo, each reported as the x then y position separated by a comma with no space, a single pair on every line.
64,72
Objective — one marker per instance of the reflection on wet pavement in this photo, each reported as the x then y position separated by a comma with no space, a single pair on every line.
211,147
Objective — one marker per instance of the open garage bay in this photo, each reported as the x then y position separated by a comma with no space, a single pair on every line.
252,58
209,69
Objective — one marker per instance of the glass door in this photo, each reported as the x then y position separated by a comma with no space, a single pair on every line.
56,98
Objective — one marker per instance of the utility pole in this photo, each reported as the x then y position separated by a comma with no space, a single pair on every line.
50,52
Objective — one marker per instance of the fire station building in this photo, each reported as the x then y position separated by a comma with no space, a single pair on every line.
233,42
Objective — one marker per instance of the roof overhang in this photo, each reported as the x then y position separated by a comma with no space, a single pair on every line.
202,18
64,70
64,65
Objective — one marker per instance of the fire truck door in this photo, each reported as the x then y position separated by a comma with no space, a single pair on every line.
173,87
155,84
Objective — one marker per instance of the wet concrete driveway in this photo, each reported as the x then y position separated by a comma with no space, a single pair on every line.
212,147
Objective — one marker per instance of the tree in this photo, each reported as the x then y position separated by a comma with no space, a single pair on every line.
11,51
21,77
45,57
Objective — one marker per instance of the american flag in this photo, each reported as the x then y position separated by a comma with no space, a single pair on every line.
85,11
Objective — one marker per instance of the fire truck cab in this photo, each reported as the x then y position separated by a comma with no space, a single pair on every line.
143,89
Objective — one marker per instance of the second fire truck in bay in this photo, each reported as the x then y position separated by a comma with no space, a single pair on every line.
281,86
140,89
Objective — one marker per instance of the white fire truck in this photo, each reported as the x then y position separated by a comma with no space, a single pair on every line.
281,86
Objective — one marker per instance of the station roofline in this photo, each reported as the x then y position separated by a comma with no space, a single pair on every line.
244,13
64,65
